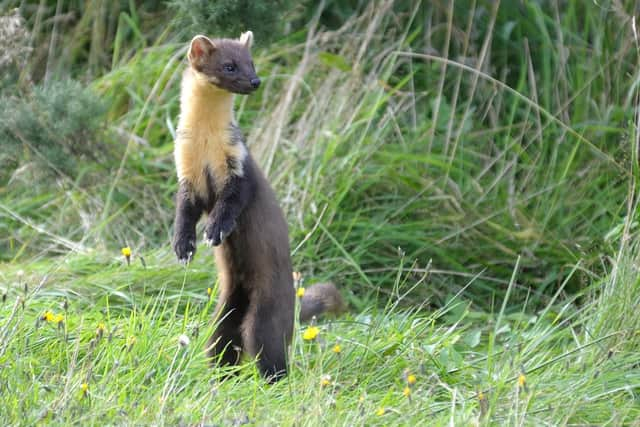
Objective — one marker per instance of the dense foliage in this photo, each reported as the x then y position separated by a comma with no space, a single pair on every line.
57,127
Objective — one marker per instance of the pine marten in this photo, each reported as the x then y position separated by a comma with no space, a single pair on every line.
245,224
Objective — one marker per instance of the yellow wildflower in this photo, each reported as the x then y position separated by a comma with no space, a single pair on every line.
522,380
336,349
58,318
380,412
126,251
310,333
131,340
484,404
406,392
100,330
85,389
209,291
300,292
48,316
325,380
411,379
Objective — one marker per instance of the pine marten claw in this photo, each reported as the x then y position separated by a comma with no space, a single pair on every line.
185,248
185,261
224,234
215,233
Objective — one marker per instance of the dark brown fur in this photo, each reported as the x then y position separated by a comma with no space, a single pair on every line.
256,303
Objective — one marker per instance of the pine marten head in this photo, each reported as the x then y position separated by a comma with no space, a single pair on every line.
225,63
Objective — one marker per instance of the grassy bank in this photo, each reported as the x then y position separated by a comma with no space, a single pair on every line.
465,172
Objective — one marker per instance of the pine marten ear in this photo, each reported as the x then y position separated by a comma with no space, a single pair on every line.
247,39
200,49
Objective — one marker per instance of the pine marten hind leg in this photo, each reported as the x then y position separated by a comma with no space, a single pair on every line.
265,336
224,346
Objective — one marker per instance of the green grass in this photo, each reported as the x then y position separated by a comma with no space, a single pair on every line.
465,171
138,373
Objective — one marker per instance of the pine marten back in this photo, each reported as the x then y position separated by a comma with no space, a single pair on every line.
218,177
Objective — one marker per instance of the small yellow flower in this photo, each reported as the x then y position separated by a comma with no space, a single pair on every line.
58,318
48,316
84,388
325,380
100,330
209,291
361,399
126,251
337,349
310,333
406,392
380,412
411,379
300,292
484,404
522,380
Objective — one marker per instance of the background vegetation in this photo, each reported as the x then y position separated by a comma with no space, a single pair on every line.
465,171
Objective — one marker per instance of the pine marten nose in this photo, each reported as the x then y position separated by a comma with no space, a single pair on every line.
255,83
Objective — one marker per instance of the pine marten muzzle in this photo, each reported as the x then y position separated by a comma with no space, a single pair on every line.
244,222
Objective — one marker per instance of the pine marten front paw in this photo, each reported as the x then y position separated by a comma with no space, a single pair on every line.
184,245
216,231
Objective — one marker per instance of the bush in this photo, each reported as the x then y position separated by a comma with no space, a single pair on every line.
228,18
57,126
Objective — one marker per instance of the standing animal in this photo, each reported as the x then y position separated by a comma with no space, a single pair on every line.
218,177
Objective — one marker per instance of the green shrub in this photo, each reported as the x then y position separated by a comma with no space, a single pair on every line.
57,126
228,18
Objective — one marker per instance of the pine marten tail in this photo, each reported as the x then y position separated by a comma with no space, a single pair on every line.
319,299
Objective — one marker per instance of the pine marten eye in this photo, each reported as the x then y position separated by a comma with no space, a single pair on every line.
229,67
